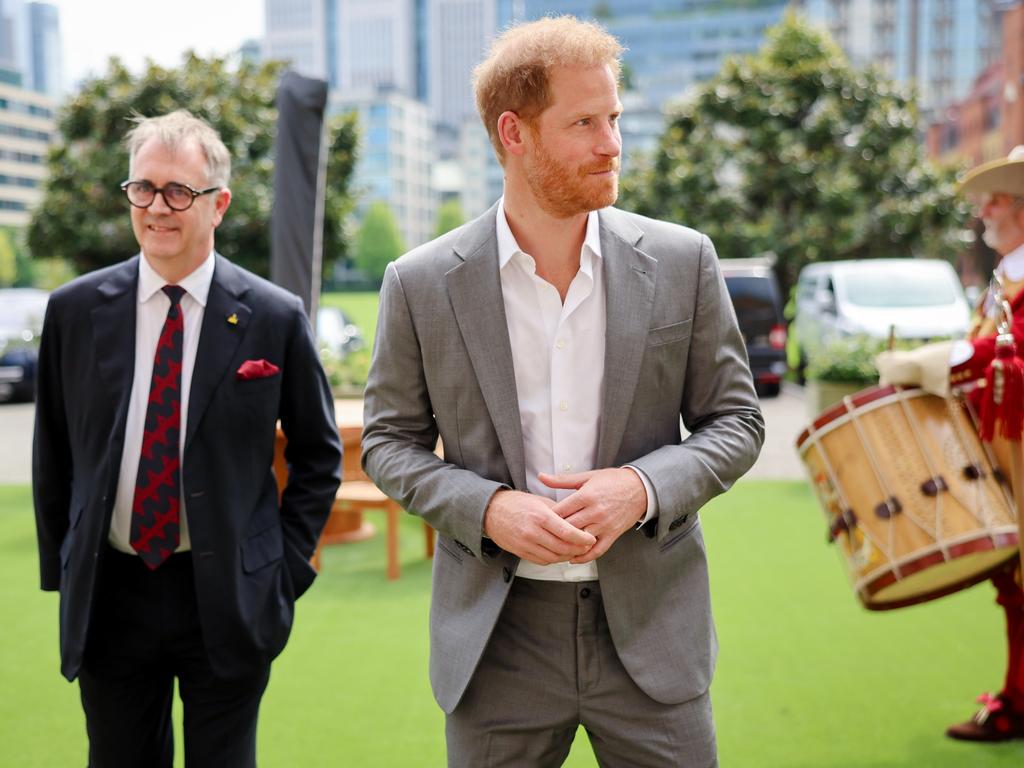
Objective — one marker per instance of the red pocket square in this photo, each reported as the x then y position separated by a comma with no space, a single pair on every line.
256,369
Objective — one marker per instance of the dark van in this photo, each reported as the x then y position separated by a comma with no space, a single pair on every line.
757,299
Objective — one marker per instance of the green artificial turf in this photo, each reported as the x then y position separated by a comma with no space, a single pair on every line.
806,678
361,307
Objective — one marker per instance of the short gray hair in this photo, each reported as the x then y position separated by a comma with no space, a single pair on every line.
177,128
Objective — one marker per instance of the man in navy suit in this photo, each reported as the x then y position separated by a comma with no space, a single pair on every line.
161,383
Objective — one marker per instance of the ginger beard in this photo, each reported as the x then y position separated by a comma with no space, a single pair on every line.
564,191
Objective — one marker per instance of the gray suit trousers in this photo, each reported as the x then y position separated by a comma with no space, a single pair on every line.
550,666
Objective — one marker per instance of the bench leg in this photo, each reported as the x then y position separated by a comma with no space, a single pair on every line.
428,534
394,568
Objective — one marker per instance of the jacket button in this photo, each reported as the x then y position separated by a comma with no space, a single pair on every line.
506,573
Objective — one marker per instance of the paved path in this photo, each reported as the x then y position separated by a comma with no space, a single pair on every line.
784,417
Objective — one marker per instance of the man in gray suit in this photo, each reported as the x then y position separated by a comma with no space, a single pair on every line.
553,344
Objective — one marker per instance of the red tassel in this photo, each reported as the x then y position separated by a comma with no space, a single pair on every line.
1003,399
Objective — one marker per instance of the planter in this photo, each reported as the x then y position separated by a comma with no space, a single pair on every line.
820,395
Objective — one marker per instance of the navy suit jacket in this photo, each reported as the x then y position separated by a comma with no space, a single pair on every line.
250,552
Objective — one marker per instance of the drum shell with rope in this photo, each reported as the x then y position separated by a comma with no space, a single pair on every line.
916,504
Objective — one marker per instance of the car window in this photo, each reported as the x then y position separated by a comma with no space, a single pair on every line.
899,289
18,314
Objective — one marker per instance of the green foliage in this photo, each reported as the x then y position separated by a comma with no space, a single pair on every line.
8,260
378,241
851,358
848,359
347,375
83,216
16,268
449,216
50,274
795,151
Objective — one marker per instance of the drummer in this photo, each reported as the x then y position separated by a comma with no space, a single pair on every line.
999,187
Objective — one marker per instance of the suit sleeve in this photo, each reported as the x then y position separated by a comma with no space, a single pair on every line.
719,408
400,434
51,454
313,451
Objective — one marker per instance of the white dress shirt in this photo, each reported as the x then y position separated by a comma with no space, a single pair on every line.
151,313
558,357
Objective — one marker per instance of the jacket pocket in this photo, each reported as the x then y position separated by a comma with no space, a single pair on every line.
447,549
681,534
669,334
262,549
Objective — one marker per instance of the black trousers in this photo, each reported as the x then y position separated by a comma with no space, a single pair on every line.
144,633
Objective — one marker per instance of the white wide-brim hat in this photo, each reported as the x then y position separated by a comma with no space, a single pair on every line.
1003,175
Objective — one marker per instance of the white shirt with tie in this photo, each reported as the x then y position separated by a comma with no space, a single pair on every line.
150,315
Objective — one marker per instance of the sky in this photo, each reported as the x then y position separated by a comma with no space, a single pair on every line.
94,30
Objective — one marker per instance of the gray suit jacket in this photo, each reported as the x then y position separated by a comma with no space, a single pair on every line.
442,365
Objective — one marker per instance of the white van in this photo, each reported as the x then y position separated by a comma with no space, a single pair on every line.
922,298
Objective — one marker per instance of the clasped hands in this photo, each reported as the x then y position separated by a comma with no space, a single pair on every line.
579,528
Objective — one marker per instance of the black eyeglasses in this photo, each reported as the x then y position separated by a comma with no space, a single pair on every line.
179,197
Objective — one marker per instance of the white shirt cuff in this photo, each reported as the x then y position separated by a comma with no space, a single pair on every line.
652,500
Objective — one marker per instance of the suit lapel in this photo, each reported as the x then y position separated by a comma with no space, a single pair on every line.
218,339
474,287
629,290
113,333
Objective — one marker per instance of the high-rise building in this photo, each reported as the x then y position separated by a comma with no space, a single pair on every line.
297,31
30,46
670,44
26,131
395,159
989,121
940,46
458,32
377,47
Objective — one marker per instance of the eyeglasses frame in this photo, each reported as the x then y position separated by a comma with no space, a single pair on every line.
160,190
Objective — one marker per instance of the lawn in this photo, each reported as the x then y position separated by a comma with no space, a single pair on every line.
806,678
361,308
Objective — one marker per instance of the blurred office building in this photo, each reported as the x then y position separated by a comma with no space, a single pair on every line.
389,54
30,46
395,160
26,130
30,84
939,46
989,121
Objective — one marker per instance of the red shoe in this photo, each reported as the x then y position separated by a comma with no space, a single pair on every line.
995,721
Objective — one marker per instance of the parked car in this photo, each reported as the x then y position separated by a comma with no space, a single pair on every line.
921,298
757,299
21,323
336,334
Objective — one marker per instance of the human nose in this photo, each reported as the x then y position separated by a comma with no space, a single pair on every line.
159,204
611,141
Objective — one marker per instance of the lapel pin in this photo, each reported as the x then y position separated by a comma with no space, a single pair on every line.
233,319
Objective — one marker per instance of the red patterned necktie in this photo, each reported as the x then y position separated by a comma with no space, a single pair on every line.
155,522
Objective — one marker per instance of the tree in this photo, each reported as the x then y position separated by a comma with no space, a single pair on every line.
83,216
8,260
449,216
794,151
378,241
